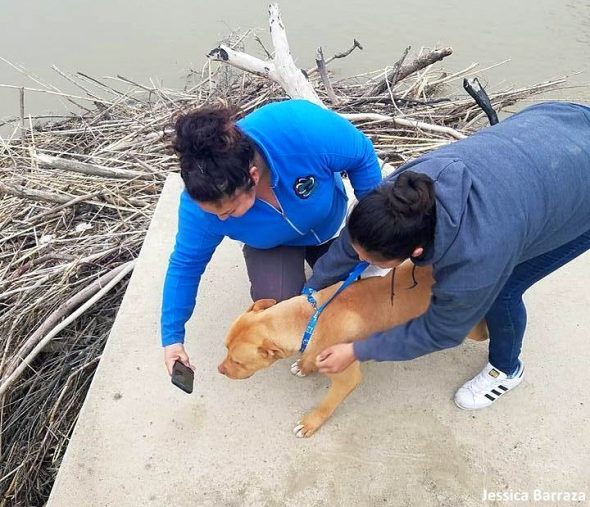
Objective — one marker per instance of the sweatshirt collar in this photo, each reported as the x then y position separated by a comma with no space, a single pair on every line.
256,139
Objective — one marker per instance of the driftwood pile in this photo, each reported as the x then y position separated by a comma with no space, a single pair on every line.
77,196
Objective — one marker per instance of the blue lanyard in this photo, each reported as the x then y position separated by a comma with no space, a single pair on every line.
355,273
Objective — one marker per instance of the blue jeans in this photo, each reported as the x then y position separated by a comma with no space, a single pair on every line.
507,317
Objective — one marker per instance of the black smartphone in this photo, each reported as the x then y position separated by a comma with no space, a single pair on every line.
183,377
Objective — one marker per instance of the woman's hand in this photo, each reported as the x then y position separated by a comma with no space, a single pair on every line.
176,352
336,358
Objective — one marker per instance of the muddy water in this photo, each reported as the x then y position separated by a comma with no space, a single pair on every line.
145,39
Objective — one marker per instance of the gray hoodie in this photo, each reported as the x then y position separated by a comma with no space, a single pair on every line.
504,195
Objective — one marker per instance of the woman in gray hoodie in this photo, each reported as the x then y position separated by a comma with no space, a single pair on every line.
492,214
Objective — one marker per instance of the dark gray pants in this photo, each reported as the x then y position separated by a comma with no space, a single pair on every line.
279,273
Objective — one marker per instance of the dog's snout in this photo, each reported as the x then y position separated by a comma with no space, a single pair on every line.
221,369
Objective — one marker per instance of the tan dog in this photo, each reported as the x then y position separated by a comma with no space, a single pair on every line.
269,331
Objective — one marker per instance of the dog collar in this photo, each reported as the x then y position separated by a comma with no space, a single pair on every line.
309,292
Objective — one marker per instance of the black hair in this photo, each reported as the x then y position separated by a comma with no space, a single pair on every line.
215,156
395,218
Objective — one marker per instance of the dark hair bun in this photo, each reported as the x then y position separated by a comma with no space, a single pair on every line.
206,132
411,193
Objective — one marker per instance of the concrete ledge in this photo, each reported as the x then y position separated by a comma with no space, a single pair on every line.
398,440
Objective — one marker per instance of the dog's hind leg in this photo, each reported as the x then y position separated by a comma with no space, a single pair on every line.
343,384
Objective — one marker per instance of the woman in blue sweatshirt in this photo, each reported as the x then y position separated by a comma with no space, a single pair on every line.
270,180
492,214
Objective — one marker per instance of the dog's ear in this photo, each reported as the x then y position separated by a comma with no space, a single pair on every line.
262,304
269,349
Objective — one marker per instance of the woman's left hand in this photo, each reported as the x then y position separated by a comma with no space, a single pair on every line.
336,358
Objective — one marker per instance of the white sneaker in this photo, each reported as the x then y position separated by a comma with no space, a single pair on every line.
483,389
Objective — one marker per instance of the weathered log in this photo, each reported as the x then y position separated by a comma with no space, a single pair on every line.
72,202
397,73
281,69
89,169
243,61
35,195
405,122
290,77
321,64
40,195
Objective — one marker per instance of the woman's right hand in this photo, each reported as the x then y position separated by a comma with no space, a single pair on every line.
175,352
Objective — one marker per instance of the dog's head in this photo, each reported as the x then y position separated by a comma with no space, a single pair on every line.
249,345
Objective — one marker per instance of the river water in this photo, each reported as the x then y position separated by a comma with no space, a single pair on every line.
162,40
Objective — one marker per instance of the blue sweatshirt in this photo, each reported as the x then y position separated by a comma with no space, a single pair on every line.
305,147
504,195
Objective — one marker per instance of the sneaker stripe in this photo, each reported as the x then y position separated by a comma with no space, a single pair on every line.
503,388
497,393
491,398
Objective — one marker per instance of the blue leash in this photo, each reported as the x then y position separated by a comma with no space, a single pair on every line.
309,292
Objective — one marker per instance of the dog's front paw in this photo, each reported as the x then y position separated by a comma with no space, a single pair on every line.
296,369
308,425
